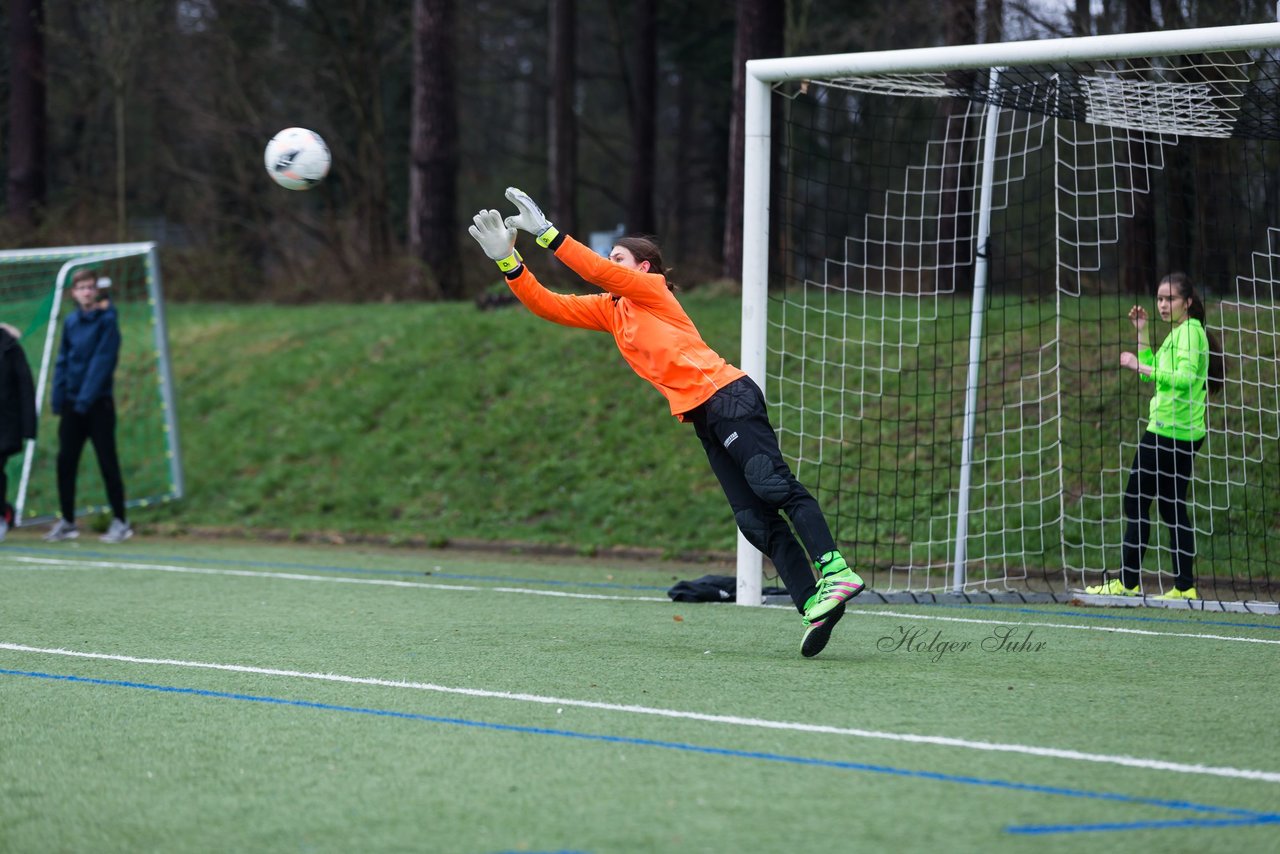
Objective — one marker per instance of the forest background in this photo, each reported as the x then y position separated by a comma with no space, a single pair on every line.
127,120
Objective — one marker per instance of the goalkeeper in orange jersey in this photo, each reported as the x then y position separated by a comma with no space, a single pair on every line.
726,408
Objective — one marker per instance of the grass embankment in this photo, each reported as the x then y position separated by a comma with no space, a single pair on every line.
436,422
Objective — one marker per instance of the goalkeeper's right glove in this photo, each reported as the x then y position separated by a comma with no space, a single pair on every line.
496,239
531,218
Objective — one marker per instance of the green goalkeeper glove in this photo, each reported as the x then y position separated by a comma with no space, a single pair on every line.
531,218
496,239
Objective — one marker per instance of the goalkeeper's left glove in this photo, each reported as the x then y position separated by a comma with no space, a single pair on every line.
531,218
496,239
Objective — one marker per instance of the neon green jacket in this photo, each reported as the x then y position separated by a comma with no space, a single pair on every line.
1181,376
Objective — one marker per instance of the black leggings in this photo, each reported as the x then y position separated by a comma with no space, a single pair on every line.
98,426
4,483
1161,470
743,451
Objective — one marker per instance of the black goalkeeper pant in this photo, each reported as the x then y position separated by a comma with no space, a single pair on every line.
4,487
1161,470
98,426
744,454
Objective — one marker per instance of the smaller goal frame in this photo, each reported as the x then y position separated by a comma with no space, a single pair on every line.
74,257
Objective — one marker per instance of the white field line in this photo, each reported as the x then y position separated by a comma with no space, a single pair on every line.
57,563
53,563
1108,629
759,723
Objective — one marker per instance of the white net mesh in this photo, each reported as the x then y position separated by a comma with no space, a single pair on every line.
1099,170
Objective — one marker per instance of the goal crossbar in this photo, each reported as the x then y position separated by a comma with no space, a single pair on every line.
1037,52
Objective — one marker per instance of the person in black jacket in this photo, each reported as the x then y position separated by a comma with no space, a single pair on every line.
82,396
17,411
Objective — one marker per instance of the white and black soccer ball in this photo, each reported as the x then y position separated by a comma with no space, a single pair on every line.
297,158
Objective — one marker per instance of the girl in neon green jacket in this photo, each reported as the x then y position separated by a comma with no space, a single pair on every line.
1186,368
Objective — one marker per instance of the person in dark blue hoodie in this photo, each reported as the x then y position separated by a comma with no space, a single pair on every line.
82,397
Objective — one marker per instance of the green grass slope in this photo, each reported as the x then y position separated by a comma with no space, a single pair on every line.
436,422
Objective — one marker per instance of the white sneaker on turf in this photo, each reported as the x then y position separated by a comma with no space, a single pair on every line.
117,532
62,530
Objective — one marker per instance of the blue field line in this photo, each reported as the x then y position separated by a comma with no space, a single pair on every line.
1042,612
1037,829
1239,816
350,570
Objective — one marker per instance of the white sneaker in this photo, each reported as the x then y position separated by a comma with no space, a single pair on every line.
62,530
117,532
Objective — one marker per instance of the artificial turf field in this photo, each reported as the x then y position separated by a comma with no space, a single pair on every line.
173,695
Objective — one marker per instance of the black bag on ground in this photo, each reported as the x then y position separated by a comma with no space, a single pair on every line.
708,588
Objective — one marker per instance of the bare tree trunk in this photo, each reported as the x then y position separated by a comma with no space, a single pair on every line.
956,203
1107,20
1138,17
562,144
761,33
122,211
1178,208
1171,11
117,72
1138,260
433,147
993,12
361,75
682,241
640,216
1213,219
1083,19
28,131
1138,238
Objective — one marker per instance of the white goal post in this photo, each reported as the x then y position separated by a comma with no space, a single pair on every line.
1035,525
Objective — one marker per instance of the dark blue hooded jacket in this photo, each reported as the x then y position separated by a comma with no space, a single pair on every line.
86,359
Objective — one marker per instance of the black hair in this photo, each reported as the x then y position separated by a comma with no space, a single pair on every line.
646,249
1181,283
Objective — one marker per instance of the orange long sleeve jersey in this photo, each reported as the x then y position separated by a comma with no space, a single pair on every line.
651,328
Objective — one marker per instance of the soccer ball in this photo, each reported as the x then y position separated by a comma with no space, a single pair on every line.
297,158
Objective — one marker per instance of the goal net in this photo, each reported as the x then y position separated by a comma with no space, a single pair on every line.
938,301
35,295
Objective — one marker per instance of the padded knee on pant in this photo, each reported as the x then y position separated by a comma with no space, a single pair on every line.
752,527
765,481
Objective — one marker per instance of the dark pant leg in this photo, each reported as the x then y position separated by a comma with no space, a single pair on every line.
761,525
1161,471
102,432
73,432
1173,480
743,450
737,418
1138,493
4,489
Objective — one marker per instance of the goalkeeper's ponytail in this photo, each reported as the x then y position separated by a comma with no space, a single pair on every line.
1181,283
646,249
